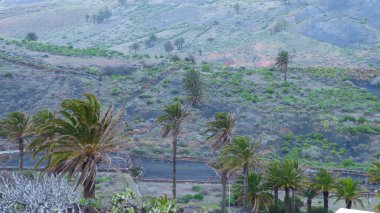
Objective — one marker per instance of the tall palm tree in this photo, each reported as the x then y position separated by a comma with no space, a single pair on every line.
374,172
83,138
324,181
282,62
223,171
257,191
241,154
42,131
221,129
17,126
309,192
348,190
172,119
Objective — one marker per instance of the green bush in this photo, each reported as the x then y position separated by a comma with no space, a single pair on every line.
186,198
196,188
198,197
102,179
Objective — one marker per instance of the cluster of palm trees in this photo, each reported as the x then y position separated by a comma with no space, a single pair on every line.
258,180
79,137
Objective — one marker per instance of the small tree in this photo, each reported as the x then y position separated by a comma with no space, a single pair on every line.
135,47
179,43
237,8
193,83
94,18
152,40
282,62
31,36
122,2
168,47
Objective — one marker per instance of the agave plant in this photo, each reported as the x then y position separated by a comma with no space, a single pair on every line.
161,204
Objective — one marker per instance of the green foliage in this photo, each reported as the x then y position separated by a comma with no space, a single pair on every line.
123,202
194,85
31,36
196,188
198,196
102,179
160,204
67,50
347,163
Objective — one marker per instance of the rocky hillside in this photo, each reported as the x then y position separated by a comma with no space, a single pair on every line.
333,33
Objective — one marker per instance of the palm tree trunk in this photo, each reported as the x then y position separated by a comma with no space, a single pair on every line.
287,199
245,203
276,199
255,207
275,196
174,165
89,189
308,203
325,201
21,153
286,74
348,204
293,203
224,192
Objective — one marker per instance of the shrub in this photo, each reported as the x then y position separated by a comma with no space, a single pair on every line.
196,188
102,179
347,163
37,194
198,197
186,198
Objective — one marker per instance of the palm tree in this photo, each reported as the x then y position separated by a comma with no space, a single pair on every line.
241,154
309,192
348,190
272,180
288,174
41,129
17,126
221,129
135,47
282,62
324,181
172,119
257,191
374,172
223,171
83,137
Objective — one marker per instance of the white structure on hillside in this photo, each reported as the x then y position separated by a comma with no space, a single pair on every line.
343,210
